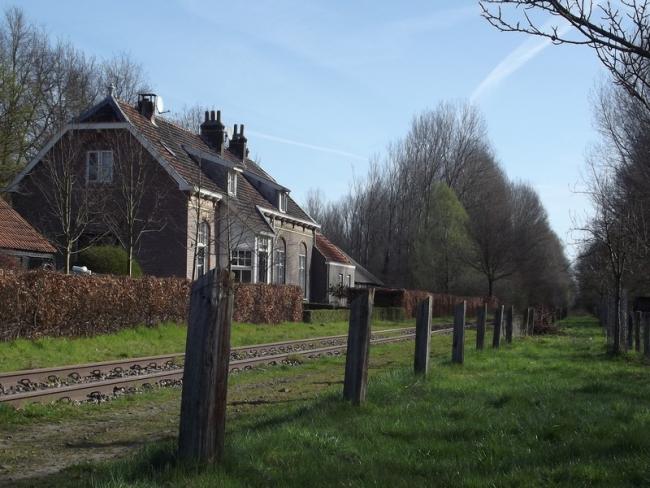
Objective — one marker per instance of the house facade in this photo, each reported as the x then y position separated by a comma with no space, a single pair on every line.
332,269
202,202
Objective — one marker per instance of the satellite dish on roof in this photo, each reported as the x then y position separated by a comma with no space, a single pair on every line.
159,104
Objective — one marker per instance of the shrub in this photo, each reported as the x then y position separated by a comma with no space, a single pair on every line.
10,263
41,303
260,303
107,260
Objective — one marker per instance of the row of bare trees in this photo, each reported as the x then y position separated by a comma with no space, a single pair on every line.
437,212
615,239
44,83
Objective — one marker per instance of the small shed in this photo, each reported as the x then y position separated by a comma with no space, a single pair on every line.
21,241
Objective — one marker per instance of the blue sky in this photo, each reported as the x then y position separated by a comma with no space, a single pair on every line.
321,86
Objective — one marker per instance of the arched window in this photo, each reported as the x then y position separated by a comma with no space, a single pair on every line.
302,268
202,243
280,261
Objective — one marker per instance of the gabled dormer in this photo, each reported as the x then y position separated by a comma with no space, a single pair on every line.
283,200
232,182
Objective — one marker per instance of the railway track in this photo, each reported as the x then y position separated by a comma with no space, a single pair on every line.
101,381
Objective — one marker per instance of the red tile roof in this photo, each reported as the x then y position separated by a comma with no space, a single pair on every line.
330,251
17,234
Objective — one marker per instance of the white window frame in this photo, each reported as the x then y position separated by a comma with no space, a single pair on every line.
263,244
280,263
102,175
302,269
242,267
283,200
349,281
202,246
232,183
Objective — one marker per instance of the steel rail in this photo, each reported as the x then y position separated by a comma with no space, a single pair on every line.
78,371
89,390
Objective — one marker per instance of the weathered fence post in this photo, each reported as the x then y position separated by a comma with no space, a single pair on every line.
356,362
637,331
526,321
509,318
458,344
498,323
205,375
646,335
423,336
481,318
532,321
630,331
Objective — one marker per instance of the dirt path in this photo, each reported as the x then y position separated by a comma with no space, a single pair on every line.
31,454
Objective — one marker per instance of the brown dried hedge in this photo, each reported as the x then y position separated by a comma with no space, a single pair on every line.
41,303
267,304
443,304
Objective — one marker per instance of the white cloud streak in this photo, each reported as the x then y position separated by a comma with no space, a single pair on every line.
305,145
526,51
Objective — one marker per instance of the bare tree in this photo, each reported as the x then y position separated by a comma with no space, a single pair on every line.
134,201
72,208
617,31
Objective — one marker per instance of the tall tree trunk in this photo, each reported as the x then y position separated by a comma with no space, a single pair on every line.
68,253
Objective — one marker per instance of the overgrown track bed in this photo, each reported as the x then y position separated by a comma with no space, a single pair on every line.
128,376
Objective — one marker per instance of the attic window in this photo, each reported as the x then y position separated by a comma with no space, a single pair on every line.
169,149
282,201
232,183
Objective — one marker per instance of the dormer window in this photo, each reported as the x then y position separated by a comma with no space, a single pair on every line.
99,166
282,201
232,183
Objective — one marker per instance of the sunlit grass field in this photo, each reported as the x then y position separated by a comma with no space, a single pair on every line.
544,411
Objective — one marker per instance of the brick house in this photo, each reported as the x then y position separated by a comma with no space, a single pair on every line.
21,241
331,267
214,204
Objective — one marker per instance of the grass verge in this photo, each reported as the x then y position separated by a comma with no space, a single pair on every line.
551,410
149,341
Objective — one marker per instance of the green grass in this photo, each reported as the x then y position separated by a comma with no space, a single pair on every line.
545,411
150,341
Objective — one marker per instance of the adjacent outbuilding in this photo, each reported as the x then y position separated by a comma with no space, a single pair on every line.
21,241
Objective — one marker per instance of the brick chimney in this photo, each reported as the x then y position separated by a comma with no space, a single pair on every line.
147,106
238,144
213,131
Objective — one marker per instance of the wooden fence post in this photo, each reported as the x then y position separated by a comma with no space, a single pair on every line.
458,344
481,318
637,331
646,335
526,320
356,362
630,331
498,323
423,336
205,375
532,321
509,318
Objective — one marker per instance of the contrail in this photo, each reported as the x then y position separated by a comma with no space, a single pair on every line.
307,146
526,51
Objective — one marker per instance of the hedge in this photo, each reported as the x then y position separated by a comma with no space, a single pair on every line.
267,304
324,316
41,303
443,304
108,260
